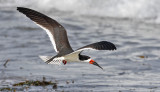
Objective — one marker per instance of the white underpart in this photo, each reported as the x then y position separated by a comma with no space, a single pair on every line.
50,36
57,61
87,60
74,56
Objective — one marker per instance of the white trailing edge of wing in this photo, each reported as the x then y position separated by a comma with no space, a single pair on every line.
50,36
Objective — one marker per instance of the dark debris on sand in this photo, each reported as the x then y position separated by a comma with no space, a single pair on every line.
27,84
35,83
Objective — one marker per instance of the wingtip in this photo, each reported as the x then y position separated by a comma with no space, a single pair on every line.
21,8
115,48
18,8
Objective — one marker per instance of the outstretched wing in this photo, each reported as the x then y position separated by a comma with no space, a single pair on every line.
103,45
55,31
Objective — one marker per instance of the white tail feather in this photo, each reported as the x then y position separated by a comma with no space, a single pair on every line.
57,61
45,58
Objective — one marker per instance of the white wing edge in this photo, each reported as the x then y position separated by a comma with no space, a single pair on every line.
50,36
79,50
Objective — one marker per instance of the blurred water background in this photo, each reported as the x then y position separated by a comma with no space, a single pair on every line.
132,25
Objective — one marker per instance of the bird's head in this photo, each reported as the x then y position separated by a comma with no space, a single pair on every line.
91,61
85,58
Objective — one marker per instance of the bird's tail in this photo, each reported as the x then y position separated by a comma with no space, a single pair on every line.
56,61
45,58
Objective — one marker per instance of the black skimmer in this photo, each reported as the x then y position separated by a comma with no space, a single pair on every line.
59,39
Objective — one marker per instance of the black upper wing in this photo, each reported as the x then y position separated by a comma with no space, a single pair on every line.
103,45
55,31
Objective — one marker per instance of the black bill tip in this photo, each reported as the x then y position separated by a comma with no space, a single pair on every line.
95,63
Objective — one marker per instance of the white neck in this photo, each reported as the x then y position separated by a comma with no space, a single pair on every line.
87,60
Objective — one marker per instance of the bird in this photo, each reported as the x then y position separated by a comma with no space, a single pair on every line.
58,37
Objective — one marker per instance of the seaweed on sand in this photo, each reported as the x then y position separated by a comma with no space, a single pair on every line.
35,83
27,84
